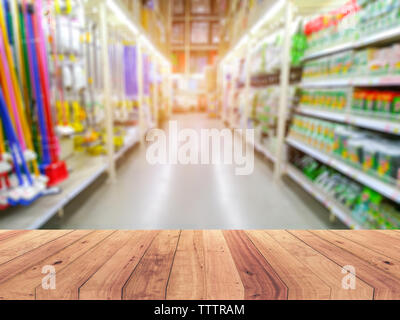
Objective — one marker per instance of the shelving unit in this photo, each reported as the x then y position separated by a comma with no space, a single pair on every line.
383,36
84,170
390,191
283,15
367,81
382,125
331,204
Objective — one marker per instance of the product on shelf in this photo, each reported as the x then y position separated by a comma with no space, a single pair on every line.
376,102
353,21
332,99
372,153
364,62
29,147
368,208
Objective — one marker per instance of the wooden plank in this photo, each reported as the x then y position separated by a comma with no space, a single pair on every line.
187,280
23,285
25,261
374,258
150,279
108,281
260,281
223,281
17,246
72,277
326,269
6,234
308,286
385,285
377,241
393,235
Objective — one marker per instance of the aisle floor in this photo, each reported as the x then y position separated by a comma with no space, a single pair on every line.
194,197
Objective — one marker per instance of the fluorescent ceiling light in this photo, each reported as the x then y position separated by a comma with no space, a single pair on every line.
153,50
122,16
113,6
273,11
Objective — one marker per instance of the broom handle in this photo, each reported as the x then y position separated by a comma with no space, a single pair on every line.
16,96
11,137
21,123
35,83
2,145
8,83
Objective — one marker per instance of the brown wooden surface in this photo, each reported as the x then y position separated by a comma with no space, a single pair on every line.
226,265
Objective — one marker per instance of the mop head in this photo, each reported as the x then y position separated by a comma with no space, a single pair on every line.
23,195
56,173
5,167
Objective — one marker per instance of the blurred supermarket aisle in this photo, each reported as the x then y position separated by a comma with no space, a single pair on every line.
194,197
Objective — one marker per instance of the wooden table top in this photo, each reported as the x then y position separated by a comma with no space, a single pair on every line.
214,265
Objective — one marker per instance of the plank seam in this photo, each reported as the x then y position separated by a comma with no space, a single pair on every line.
299,260
79,288
260,253
38,262
80,257
362,245
43,244
373,288
172,264
134,269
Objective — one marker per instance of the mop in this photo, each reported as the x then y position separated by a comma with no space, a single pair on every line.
27,78
25,193
54,169
14,96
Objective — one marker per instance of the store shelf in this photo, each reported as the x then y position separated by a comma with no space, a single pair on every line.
357,81
131,139
328,51
368,122
386,35
84,172
390,191
263,150
333,205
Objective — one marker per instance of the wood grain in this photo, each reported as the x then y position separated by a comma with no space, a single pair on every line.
108,281
6,234
25,242
385,285
374,258
73,276
23,262
23,285
384,243
259,279
222,277
150,279
307,287
326,269
215,265
188,271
